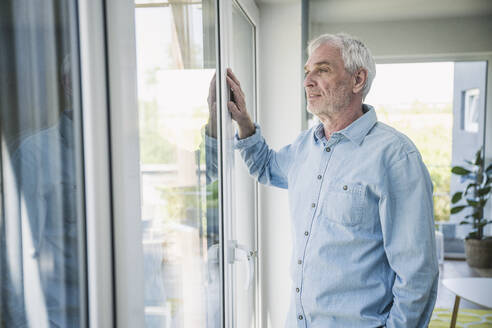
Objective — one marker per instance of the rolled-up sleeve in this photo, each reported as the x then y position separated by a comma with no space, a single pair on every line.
407,222
265,164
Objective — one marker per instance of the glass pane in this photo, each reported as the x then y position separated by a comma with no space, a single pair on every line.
244,65
244,56
176,68
42,257
471,110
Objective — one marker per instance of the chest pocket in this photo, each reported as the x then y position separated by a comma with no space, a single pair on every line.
344,203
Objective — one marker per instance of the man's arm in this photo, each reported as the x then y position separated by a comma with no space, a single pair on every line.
268,166
407,222
238,112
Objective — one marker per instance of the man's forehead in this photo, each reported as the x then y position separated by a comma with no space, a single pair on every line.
322,62
325,54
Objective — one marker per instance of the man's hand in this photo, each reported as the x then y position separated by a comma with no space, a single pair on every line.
211,127
237,108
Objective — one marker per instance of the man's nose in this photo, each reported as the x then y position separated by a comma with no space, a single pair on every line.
308,81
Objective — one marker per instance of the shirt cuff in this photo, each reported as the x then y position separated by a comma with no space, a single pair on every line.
249,141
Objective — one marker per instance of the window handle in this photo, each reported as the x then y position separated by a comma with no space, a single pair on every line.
241,253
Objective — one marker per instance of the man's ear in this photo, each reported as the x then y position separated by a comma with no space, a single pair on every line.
359,79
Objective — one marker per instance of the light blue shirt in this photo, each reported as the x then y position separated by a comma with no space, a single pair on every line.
363,229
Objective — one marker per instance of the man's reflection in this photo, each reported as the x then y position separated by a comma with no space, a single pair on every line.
47,192
211,155
211,127
213,263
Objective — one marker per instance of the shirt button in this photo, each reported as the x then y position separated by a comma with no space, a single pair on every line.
327,149
297,290
300,317
319,177
345,187
299,261
313,205
306,233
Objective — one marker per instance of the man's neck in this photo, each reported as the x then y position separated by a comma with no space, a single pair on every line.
334,122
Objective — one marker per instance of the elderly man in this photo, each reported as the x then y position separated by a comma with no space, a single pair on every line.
360,199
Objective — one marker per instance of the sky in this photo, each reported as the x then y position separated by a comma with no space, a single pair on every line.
406,83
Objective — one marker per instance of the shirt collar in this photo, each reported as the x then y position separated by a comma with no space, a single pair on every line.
357,130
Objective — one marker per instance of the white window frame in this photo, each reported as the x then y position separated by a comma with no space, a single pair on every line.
111,160
96,164
226,168
125,164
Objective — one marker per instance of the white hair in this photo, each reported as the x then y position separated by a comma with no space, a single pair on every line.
355,55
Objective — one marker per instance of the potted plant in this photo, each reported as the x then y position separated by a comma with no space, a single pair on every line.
477,192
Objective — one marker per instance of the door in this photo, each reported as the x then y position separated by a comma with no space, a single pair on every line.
117,166
239,37
178,257
468,122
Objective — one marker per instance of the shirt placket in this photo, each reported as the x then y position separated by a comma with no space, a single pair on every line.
328,147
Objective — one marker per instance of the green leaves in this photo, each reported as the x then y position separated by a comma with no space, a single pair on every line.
460,170
483,191
478,157
483,223
471,185
456,197
477,192
488,170
457,209
475,215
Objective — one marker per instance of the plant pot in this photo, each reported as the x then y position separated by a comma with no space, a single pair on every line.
479,253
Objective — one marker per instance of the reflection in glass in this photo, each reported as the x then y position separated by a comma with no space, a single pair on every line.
244,56
41,235
176,64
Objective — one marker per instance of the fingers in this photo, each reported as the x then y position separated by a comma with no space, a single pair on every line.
234,110
237,108
239,99
234,82
233,77
235,88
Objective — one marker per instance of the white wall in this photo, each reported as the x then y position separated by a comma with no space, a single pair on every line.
419,37
280,109
280,118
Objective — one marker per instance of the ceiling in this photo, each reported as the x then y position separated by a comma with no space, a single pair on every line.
334,11
260,2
